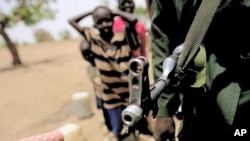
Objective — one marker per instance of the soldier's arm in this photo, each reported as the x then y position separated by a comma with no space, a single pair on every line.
160,51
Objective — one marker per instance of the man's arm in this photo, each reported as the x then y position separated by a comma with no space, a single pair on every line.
86,52
75,23
164,40
131,34
141,31
160,50
128,17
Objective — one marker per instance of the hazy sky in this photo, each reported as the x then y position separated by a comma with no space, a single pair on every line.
65,10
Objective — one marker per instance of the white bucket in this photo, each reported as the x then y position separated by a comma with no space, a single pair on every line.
81,104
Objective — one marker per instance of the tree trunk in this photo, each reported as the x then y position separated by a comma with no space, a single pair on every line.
12,48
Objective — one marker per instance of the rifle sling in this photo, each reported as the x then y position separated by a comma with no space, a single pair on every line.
196,34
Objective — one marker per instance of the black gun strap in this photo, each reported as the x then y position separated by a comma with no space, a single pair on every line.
196,33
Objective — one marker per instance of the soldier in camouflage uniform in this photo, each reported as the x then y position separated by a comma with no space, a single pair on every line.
219,107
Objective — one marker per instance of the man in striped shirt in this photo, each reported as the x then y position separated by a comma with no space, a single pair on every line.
110,53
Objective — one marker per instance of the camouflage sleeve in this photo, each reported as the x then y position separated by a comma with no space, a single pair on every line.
162,32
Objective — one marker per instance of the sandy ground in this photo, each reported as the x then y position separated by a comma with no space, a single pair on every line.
36,97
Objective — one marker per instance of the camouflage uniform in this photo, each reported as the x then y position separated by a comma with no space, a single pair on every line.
225,100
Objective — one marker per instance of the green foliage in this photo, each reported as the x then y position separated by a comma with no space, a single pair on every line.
141,11
65,34
43,35
105,3
28,11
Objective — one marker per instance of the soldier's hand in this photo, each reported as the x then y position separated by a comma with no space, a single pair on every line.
164,128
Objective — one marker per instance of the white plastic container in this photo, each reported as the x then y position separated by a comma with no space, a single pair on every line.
81,104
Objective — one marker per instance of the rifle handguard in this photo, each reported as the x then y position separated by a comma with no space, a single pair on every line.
139,91
168,66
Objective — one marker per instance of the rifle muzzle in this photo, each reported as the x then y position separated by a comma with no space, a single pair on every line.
131,115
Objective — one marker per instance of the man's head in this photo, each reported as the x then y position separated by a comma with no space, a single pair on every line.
103,19
126,5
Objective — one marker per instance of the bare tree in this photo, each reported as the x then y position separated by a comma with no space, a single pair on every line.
28,11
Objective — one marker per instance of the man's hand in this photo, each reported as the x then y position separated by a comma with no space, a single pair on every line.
164,128
86,52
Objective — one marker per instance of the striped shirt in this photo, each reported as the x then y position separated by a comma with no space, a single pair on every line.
112,61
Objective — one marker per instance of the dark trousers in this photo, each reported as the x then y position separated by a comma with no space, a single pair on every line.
104,112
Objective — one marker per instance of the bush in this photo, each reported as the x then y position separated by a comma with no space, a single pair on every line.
42,35
65,34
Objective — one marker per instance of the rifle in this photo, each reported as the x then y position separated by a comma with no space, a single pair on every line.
141,95
177,63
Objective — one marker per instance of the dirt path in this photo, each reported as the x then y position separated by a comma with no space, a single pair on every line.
35,98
